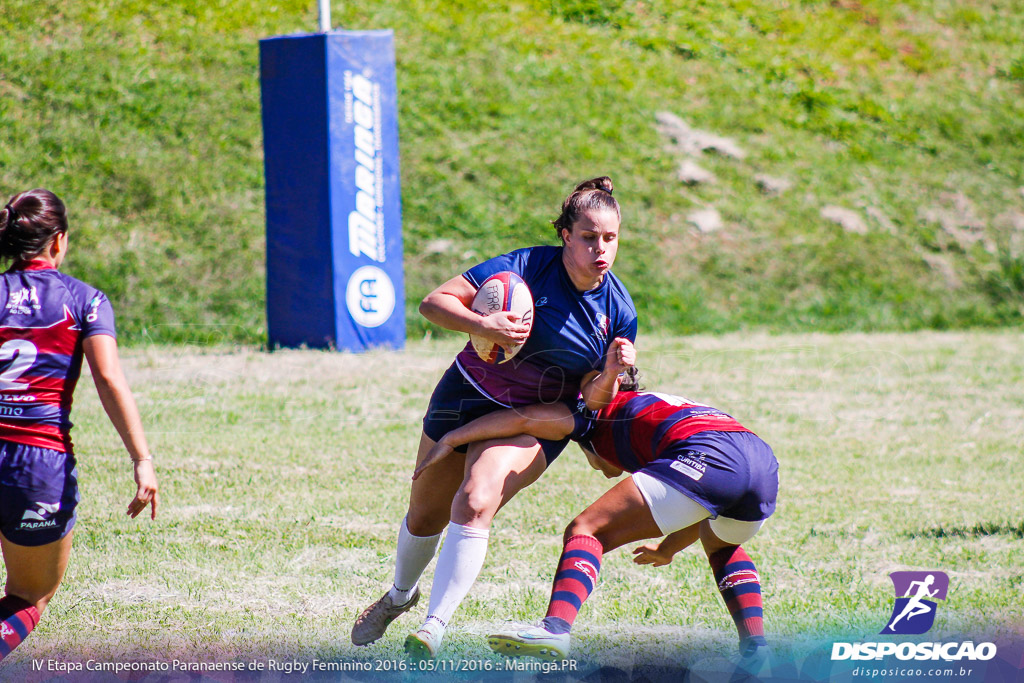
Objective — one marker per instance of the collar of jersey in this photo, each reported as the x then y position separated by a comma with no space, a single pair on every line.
31,265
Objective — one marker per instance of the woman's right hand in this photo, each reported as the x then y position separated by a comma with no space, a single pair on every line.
650,553
145,494
504,328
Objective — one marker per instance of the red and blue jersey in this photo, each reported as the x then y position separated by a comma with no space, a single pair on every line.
570,333
636,428
46,315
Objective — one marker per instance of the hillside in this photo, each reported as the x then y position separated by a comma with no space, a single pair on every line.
865,159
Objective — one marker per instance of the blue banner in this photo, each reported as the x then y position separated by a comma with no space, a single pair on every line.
334,238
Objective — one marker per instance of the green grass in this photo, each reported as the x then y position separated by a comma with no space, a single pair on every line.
145,117
284,476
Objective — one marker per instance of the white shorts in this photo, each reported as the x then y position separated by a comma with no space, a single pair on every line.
673,510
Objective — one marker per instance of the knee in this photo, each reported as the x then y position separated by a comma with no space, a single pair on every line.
475,501
580,526
34,598
424,522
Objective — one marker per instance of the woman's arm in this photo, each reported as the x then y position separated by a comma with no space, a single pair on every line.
599,388
449,306
544,421
661,554
116,397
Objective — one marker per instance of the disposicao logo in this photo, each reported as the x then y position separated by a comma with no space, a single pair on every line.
914,614
916,595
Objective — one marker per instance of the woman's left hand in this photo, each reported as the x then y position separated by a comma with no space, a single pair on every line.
651,553
146,494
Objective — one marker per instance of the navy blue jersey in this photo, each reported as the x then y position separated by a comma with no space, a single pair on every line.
570,334
45,317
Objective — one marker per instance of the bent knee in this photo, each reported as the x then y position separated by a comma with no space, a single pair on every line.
580,526
36,598
476,502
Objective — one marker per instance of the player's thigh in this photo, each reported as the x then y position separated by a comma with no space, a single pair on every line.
734,531
430,499
671,509
495,472
621,515
34,572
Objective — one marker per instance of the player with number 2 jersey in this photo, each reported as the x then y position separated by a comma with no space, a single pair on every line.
46,317
49,321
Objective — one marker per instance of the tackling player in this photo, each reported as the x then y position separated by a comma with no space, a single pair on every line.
579,307
696,473
48,322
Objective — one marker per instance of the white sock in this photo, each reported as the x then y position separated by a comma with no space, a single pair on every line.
411,558
458,565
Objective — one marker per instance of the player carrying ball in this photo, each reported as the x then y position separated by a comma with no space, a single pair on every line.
579,307
696,473
48,322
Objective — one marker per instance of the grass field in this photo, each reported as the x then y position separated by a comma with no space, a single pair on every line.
284,476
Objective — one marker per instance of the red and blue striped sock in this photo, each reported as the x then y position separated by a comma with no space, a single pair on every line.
17,619
740,586
574,581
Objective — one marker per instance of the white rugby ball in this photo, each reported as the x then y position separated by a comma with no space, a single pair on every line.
503,291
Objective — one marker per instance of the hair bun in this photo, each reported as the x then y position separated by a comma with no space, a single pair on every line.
600,183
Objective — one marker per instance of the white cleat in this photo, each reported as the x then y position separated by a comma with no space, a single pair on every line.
535,641
423,644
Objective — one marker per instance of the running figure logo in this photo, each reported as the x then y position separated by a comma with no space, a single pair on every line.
916,593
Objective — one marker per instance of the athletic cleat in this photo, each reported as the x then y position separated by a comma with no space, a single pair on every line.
535,641
371,624
753,660
422,645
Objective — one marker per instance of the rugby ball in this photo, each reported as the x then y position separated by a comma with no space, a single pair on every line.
503,291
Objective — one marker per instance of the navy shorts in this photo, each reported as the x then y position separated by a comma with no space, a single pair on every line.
38,494
732,474
456,401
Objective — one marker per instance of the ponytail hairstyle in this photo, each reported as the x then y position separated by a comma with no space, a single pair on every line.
590,195
631,382
28,222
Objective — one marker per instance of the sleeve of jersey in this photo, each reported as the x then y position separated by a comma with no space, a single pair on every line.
625,320
628,329
97,316
583,421
514,261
